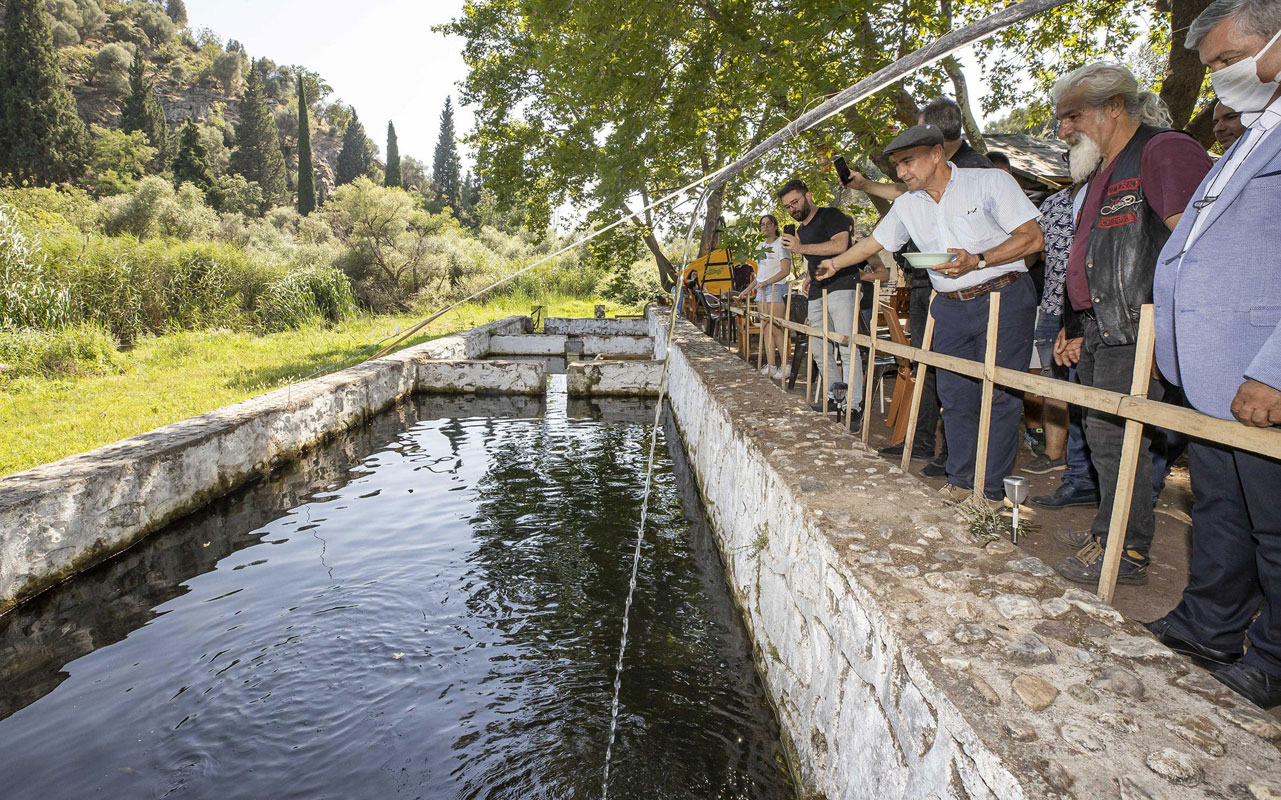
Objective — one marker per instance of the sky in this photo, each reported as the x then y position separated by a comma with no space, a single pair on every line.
381,56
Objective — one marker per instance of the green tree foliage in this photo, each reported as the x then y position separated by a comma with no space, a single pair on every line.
228,69
393,178
111,68
155,24
306,173
235,195
141,110
42,138
258,156
118,159
354,159
191,165
155,209
177,11
413,173
446,166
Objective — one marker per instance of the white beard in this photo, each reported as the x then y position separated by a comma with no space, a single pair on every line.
1083,158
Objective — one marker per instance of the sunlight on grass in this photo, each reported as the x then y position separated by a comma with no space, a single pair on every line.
169,378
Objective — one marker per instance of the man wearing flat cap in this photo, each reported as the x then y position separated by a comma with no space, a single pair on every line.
984,219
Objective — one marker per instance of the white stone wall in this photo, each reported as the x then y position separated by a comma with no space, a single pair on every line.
596,327
614,378
905,660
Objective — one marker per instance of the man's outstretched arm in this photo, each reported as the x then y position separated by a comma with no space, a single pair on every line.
862,250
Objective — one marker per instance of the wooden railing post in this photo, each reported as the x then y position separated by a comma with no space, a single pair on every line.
1130,447
787,336
871,356
918,386
823,400
849,393
989,387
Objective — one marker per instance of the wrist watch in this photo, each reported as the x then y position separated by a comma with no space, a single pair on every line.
982,261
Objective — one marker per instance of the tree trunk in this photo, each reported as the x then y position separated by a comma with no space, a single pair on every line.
1185,73
666,272
972,132
1202,126
712,220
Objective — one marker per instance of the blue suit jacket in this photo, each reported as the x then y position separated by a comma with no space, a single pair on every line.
1218,303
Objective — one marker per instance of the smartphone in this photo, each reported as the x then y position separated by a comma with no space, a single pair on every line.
790,230
842,169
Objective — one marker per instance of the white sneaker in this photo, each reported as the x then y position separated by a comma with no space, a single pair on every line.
765,370
777,373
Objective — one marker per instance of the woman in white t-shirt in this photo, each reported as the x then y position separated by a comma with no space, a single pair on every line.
773,268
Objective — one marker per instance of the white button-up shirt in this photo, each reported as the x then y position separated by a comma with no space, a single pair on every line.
979,210
1263,127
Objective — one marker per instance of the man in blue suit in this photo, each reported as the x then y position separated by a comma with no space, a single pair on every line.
1218,302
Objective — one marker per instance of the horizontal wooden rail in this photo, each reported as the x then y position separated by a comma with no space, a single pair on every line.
1263,441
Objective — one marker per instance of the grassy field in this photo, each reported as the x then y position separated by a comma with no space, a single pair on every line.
173,377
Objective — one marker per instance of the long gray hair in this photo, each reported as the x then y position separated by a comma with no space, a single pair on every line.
1103,80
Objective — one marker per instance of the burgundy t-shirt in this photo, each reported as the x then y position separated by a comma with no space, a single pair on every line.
1172,166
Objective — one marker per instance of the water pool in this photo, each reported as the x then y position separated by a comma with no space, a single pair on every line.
428,607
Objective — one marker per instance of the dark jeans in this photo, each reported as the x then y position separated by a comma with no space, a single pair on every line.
1236,555
960,329
927,419
1111,367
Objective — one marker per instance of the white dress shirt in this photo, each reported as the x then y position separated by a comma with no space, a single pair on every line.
1263,127
978,211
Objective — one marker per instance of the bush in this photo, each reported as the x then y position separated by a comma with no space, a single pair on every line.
111,68
82,350
28,299
306,297
153,209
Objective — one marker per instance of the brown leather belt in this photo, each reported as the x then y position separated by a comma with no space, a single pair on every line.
999,282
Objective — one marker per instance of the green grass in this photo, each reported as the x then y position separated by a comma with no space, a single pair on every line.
168,378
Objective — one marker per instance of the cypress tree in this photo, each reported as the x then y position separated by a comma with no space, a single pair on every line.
446,165
259,157
142,111
306,174
177,11
191,165
42,138
353,159
393,159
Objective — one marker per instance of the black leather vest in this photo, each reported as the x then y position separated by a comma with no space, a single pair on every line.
1125,242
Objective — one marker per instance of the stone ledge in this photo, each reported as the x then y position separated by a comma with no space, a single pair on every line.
60,518
482,377
574,326
905,660
614,378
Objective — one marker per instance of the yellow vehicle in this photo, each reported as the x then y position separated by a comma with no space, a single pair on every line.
717,272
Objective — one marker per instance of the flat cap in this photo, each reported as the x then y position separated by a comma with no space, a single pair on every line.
915,136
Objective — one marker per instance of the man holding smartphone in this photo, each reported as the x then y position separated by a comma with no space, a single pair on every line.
825,232
983,217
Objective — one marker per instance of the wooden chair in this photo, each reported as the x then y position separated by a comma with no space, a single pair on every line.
904,380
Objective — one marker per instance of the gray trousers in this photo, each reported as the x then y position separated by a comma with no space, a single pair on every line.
1111,367
840,312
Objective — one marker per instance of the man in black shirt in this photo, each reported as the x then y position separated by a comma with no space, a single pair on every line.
823,233
944,114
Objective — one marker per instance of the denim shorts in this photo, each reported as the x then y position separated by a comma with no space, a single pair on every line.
774,293
1043,336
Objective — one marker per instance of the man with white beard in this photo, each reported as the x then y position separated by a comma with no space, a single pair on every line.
1141,177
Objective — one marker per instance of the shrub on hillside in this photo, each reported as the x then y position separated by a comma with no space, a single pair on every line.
306,297
153,209
81,350
111,68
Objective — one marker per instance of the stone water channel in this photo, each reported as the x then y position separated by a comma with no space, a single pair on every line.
903,658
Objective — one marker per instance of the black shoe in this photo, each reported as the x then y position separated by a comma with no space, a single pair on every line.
936,468
896,451
1252,683
1066,496
856,420
1207,657
1087,566
831,406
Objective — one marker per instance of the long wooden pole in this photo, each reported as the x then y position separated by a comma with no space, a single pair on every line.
989,387
849,393
871,357
787,336
1130,446
826,347
918,386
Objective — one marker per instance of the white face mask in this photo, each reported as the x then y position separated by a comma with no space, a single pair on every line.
1240,89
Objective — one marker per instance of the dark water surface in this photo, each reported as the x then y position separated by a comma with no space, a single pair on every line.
426,608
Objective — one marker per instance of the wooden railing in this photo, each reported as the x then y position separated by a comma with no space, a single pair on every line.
1135,408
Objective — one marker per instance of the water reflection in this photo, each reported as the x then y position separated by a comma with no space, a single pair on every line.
421,609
